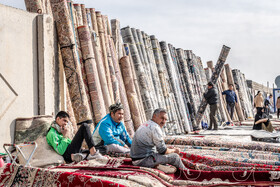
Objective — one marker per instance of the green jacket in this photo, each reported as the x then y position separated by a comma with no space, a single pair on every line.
57,141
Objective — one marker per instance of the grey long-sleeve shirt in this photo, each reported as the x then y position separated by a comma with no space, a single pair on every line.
147,140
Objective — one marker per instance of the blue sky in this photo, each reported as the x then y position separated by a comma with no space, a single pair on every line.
250,27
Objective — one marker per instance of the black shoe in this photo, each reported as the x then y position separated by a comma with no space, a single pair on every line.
196,128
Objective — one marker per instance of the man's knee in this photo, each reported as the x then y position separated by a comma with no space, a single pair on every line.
85,125
116,148
174,156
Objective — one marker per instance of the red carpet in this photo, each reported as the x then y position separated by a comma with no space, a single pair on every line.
120,172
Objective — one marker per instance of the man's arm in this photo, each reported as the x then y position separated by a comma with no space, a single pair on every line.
261,120
207,95
174,150
58,142
125,137
106,134
235,97
158,141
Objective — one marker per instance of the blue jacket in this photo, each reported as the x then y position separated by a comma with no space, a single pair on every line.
230,96
107,132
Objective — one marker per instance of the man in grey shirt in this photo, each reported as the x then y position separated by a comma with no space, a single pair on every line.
148,148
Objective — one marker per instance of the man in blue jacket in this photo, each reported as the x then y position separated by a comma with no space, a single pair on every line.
111,133
231,99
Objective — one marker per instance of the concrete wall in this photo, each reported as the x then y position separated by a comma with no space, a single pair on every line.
29,72
48,66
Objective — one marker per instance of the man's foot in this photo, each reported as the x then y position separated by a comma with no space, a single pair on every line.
95,156
168,169
209,129
77,157
196,128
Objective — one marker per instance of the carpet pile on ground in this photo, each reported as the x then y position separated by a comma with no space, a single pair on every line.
210,161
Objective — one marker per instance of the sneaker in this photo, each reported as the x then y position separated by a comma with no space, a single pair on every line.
77,157
168,169
97,155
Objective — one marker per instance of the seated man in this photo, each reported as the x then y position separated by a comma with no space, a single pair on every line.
70,150
111,133
261,121
148,148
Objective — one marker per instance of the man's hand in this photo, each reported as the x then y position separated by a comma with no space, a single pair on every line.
126,146
64,131
177,150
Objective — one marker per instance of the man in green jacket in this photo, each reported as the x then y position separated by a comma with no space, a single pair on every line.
70,150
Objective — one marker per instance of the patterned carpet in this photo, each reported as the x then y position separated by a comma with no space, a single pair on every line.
207,167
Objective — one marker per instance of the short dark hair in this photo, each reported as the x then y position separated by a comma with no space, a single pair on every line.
159,110
270,95
62,114
115,107
210,84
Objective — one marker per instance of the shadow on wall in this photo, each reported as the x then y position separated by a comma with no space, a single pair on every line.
12,131
35,66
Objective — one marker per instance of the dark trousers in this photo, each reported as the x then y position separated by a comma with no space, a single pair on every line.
76,144
258,108
230,109
266,110
156,159
278,112
212,115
